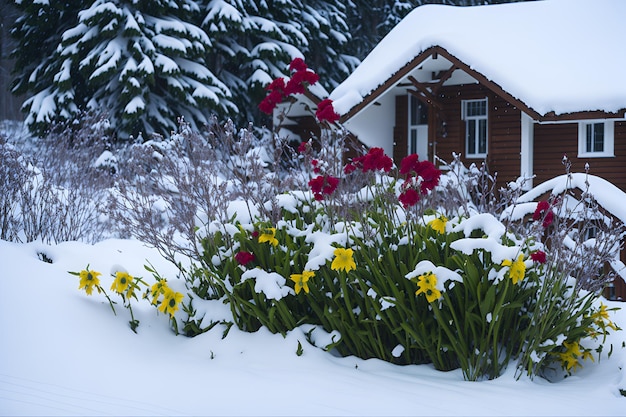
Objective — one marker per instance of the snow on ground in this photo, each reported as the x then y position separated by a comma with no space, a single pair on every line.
65,353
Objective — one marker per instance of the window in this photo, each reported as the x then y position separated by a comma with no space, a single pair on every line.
418,128
595,138
474,112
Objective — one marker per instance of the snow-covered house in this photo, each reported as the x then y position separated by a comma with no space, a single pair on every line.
516,85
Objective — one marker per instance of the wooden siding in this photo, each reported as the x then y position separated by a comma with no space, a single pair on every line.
552,141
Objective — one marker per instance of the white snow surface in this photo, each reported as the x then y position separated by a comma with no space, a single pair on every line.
553,55
65,353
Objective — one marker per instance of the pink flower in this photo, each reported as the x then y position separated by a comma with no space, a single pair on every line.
326,112
244,258
539,256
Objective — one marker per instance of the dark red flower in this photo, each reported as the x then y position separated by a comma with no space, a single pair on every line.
295,85
539,256
244,258
323,185
277,85
374,160
429,174
349,168
268,104
542,206
326,112
543,212
547,221
297,64
409,197
303,147
409,164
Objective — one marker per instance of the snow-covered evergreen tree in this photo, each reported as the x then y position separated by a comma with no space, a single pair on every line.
256,40
140,62
38,34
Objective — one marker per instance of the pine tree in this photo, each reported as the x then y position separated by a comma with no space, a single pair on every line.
38,34
256,40
141,62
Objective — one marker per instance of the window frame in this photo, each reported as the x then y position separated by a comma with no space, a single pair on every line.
476,119
608,139
412,128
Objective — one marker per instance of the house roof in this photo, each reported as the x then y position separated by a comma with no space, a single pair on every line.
553,57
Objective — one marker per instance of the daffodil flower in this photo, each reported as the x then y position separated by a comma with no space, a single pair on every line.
170,302
157,289
301,281
89,280
427,285
343,260
269,235
517,269
439,224
122,282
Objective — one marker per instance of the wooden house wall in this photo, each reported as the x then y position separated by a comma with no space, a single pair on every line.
552,141
504,130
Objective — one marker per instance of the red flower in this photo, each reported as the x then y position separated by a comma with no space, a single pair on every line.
349,168
539,256
244,258
277,85
269,103
409,164
299,81
323,185
326,112
374,160
409,197
297,64
430,176
426,170
543,211
303,147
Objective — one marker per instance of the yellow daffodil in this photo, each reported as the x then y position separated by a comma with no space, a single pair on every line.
301,281
170,302
427,285
439,224
587,355
269,235
569,361
122,282
157,289
343,260
517,268
89,280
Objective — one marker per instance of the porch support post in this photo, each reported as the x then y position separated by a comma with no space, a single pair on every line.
526,150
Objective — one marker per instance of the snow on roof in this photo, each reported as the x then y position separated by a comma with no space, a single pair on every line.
554,55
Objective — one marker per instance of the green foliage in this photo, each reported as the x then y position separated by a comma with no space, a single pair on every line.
403,284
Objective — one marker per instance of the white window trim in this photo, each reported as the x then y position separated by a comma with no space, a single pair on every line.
465,118
609,139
